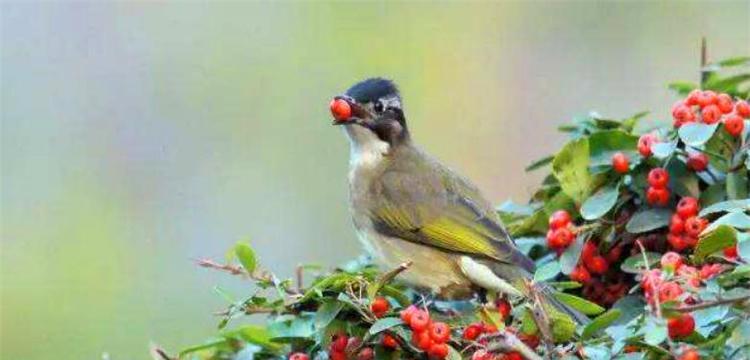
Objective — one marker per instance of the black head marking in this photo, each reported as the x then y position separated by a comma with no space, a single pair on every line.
372,89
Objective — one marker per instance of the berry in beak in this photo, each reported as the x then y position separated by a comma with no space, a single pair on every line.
341,110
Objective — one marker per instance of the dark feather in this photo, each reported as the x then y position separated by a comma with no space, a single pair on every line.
372,89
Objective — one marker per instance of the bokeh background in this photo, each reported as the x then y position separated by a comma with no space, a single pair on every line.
137,136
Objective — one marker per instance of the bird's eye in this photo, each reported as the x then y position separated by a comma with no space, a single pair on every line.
377,106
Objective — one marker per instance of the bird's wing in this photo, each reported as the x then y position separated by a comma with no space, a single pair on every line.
422,201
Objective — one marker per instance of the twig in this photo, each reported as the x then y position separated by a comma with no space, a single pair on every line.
508,341
388,277
300,283
704,61
240,271
158,353
541,318
708,304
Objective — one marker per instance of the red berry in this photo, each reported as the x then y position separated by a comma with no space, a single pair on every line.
580,274
689,354
420,319
676,225
472,331
379,306
657,196
711,114
422,340
299,356
366,354
503,307
658,178
697,161
389,342
530,340
489,328
337,355
339,343
742,108
677,242
560,239
340,109
710,270
597,265
651,279
687,207
692,98
644,144
440,332
407,313
620,163
706,98
481,354
731,252
671,261
589,250
694,226
681,326
513,355
734,125
438,351
614,254
682,114
559,218
725,103
669,291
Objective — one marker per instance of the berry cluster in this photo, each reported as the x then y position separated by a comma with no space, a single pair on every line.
560,233
343,347
685,225
709,107
427,335
657,192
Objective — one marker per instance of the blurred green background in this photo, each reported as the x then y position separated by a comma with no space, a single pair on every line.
139,135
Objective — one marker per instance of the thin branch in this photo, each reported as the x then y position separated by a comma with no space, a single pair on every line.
507,341
237,270
388,277
708,304
541,318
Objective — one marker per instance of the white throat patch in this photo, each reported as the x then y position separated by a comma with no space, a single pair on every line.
366,149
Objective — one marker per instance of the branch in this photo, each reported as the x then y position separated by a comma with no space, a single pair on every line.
508,341
708,304
240,271
541,318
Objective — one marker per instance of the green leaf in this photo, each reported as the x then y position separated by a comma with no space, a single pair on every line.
254,334
735,61
580,304
737,184
600,322
736,219
603,144
326,313
664,150
538,164
569,257
730,205
600,203
565,285
547,271
384,324
205,346
723,236
682,87
635,264
682,181
647,220
290,329
655,331
570,167
246,255
696,134
727,84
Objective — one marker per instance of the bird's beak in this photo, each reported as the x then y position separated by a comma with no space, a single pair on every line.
346,110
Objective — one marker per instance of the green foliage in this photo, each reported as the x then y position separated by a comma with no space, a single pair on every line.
610,210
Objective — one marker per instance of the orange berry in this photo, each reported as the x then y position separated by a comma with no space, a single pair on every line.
420,319
340,109
681,326
687,207
734,125
379,306
389,342
742,108
438,351
440,332
299,356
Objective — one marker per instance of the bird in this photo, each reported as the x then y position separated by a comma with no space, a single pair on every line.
407,206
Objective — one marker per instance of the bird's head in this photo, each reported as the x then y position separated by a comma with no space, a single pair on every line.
370,110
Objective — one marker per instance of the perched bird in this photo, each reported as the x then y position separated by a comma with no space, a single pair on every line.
407,206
